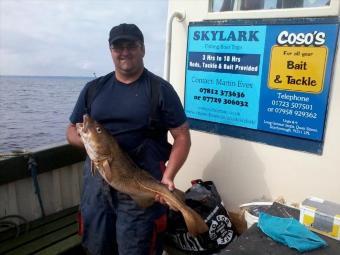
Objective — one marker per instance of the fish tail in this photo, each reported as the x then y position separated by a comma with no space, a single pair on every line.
194,222
175,200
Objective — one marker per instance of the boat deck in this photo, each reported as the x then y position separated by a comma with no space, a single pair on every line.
53,234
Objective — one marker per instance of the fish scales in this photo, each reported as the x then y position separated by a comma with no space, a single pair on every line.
119,171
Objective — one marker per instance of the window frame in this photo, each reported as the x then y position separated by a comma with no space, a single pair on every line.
331,10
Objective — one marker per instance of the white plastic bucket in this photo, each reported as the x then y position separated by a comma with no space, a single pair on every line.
250,218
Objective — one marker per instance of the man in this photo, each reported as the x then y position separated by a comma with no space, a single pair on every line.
123,104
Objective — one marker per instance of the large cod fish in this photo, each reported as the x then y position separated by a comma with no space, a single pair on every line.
119,171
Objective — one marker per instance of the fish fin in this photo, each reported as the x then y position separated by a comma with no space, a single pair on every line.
172,207
179,194
143,201
107,170
195,224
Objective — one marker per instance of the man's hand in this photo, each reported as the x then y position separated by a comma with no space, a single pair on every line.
171,186
179,153
73,137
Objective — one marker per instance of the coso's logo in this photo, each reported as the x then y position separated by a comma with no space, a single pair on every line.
316,38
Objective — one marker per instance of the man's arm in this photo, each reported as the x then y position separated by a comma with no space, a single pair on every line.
72,136
179,153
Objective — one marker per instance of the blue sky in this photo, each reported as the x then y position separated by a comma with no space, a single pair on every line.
69,38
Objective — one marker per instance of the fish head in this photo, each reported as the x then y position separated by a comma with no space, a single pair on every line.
96,139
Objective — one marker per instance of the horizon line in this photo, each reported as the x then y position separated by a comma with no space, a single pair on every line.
31,75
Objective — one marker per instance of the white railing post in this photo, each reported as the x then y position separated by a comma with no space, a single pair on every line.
180,17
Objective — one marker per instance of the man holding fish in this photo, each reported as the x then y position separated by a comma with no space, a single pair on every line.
123,103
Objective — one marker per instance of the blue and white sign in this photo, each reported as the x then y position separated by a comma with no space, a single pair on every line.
274,78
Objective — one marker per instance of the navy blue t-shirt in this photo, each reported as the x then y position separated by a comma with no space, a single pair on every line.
124,109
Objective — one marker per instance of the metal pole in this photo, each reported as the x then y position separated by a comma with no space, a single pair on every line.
180,17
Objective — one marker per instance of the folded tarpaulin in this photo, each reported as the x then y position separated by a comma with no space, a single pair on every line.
290,232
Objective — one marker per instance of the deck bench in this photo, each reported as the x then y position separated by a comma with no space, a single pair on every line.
53,234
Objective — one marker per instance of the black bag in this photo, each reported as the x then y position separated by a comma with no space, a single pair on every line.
205,200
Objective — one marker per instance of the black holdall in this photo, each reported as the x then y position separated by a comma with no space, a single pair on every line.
205,200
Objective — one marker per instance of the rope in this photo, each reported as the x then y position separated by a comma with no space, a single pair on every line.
32,168
32,165
6,224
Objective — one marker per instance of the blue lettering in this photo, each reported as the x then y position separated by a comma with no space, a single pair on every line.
214,33
204,36
231,36
242,36
252,36
196,35
223,36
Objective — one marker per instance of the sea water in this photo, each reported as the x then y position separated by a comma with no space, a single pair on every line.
34,111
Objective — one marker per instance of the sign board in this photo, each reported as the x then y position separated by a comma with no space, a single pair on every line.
266,77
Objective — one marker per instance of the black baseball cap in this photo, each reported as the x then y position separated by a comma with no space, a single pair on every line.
125,32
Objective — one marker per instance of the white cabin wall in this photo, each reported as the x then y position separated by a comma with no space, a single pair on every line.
244,170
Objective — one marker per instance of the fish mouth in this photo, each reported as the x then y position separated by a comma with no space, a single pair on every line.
92,149
86,122
85,118
82,127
